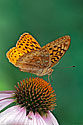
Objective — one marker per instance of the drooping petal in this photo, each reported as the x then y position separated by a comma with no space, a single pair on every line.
21,118
5,94
47,120
31,118
17,116
26,121
39,119
50,119
13,116
35,119
7,114
4,103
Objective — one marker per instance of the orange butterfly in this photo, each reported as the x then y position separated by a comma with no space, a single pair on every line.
30,57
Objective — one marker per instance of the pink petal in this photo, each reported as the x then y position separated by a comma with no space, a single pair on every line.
7,114
20,117
14,116
5,102
30,118
47,120
3,95
17,116
39,119
52,118
26,121
7,92
23,117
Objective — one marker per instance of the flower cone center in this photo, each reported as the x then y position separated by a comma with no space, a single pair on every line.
36,95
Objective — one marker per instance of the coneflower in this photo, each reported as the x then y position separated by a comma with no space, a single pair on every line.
30,104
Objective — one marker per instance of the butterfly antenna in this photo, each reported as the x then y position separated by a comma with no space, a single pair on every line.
65,67
31,75
49,78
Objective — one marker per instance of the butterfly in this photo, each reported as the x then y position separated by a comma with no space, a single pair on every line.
30,57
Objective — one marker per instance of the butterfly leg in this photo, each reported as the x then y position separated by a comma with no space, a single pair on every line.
31,75
49,78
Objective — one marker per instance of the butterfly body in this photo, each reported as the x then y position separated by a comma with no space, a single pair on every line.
30,57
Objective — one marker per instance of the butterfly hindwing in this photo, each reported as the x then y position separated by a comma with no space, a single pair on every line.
25,44
13,55
38,58
35,61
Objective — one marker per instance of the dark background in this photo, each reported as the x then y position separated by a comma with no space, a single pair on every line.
47,20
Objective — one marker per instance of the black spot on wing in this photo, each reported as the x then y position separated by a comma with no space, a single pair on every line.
54,50
26,47
32,45
37,47
50,48
51,53
56,57
55,46
60,54
31,49
34,42
63,50
52,61
27,44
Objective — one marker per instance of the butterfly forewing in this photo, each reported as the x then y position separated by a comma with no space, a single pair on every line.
27,43
58,48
